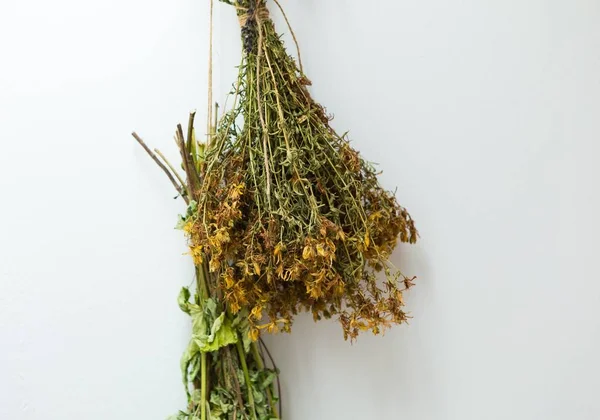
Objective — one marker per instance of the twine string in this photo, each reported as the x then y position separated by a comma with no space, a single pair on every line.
258,13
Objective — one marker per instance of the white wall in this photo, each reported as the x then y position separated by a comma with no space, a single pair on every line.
484,114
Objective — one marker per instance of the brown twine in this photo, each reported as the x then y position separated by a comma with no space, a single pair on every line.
262,13
259,14
293,34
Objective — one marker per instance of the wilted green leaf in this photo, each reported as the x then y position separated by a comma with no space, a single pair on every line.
241,324
211,307
196,396
221,335
194,367
258,396
183,300
270,376
199,322
219,407
186,360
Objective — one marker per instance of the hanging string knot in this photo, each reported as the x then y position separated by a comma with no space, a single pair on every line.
250,20
255,13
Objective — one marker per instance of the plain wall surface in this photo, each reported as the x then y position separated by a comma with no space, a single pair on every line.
484,115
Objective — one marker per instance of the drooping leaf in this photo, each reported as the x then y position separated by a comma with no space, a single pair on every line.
211,307
221,335
242,325
187,358
199,321
183,300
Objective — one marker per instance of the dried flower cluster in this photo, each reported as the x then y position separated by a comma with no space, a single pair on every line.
289,214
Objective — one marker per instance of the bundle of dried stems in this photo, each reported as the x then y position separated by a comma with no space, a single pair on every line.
283,216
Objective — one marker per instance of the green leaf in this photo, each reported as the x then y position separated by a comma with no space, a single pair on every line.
186,360
216,327
246,341
199,322
192,208
181,221
196,396
218,406
241,324
221,334
194,367
258,396
211,307
183,300
269,378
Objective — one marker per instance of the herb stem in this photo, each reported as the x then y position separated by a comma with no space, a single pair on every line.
179,178
204,386
180,189
246,377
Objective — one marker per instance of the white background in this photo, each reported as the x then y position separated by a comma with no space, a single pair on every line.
484,114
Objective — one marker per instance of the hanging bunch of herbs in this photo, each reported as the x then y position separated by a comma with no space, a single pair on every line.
283,216
224,371
289,214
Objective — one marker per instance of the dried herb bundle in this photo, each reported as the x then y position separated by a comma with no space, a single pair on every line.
224,368
283,216
289,214
224,371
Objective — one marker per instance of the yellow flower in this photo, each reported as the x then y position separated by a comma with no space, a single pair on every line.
307,253
214,265
256,268
400,297
314,290
188,227
229,281
279,270
235,307
277,252
196,253
376,215
321,250
254,334
367,240
236,192
256,312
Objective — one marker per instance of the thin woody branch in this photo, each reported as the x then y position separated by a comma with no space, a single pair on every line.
177,186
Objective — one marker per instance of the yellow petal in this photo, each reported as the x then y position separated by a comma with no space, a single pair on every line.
307,252
321,250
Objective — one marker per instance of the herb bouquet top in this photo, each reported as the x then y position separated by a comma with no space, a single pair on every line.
288,212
